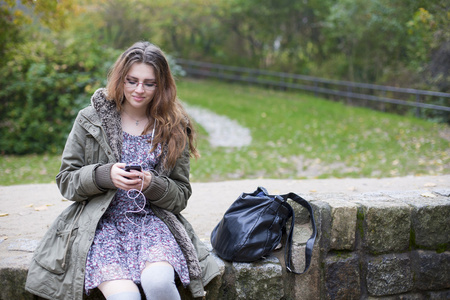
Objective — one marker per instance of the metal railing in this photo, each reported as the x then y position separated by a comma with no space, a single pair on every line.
342,89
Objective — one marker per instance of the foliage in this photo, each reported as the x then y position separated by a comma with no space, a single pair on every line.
293,136
120,23
55,53
376,41
43,87
44,75
359,29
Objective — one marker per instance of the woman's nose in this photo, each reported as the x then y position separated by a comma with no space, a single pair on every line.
140,87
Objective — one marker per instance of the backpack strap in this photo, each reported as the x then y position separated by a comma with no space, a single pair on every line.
311,240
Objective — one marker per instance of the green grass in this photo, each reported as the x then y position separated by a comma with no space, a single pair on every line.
297,135
294,135
28,169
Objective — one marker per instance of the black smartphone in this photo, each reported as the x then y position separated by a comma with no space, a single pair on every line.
130,167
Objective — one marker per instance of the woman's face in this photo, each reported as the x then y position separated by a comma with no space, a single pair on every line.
139,86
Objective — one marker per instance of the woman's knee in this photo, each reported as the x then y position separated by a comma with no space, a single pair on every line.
158,281
119,289
125,296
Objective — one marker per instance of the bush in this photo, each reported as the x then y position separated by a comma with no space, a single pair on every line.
44,85
42,88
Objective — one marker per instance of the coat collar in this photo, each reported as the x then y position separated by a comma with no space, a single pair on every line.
110,120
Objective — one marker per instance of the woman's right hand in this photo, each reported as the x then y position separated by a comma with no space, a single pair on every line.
126,180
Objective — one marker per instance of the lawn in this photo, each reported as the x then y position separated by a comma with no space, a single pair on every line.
294,135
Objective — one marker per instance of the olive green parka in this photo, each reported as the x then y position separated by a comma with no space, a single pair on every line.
58,265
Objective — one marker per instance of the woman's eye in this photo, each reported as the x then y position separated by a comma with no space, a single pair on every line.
131,81
150,85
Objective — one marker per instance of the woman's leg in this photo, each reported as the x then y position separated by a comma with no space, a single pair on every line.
158,282
120,290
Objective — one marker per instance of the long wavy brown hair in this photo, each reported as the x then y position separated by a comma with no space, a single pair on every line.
173,125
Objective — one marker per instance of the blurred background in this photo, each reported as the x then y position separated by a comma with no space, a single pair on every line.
55,54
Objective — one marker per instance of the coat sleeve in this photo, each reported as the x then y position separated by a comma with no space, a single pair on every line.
172,192
76,177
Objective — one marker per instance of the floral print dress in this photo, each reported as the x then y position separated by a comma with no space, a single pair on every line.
129,234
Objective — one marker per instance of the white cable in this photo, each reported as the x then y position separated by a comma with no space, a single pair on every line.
139,192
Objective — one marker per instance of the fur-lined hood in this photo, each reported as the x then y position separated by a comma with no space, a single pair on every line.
110,118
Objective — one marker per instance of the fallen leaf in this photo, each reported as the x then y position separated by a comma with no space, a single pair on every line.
41,208
30,205
428,195
313,191
4,214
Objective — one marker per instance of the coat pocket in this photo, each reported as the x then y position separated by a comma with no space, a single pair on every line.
54,250
53,253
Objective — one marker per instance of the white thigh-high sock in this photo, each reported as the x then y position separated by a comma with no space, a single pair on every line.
158,282
125,296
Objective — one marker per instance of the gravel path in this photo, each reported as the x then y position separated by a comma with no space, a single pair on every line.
222,131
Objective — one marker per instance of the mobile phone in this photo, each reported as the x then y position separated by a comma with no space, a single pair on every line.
130,167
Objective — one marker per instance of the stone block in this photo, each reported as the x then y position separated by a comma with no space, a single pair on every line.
306,286
12,281
262,280
322,215
302,233
389,275
343,224
407,296
442,192
431,222
342,276
438,295
432,270
386,226
301,213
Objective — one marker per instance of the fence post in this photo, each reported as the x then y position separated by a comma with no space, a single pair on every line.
349,91
418,112
281,81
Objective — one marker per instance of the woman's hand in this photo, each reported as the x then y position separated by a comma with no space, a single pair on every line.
129,180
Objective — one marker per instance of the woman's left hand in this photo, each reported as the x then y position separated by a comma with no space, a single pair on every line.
147,179
133,180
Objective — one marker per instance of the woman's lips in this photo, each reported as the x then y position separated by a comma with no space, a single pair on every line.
138,99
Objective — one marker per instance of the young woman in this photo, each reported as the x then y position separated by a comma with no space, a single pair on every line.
124,229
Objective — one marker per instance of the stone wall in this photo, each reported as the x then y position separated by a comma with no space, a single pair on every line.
373,246
386,245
